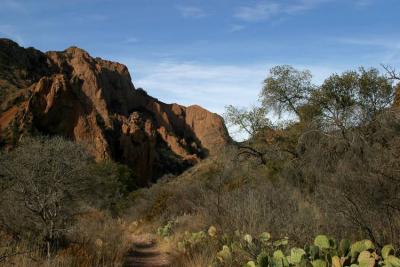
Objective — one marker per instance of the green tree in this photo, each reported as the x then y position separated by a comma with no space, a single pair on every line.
376,93
352,99
287,89
114,183
252,120
336,99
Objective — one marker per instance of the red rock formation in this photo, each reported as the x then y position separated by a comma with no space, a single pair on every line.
93,101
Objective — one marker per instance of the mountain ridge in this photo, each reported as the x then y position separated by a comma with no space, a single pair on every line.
93,101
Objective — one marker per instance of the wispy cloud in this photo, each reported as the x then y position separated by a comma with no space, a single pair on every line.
381,41
363,3
381,49
236,28
266,10
191,11
303,5
193,83
131,40
90,17
260,11
210,85
13,5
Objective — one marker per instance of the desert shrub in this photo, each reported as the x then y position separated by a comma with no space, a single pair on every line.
196,249
115,183
21,254
165,200
198,258
338,158
43,180
96,239
46,183
263,204
312,193
358,180
223,192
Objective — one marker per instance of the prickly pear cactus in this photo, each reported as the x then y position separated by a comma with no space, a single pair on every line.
250,264
392,261
387,251
305,263
314,252
262,259
360,246
225,255
279,259
265,238
281,242
319,263
165,230
336,262
366,259
344,247
296,255
248,238
322,241
333,244
324,252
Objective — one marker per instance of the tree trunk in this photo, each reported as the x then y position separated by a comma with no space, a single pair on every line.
48,252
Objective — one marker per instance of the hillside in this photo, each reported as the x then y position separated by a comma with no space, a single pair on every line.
93,101
94,172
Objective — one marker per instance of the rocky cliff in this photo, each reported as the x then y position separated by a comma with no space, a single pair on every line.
93,101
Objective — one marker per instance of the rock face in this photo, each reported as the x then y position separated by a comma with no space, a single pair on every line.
93,101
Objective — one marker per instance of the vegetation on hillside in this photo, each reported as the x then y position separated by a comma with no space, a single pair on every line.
328,165
319,173
54,196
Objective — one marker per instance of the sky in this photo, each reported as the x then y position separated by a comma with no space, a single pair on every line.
212,52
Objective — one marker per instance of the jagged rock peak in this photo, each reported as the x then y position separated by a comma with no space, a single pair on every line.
94,101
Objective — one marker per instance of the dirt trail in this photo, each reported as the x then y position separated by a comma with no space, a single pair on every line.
145,252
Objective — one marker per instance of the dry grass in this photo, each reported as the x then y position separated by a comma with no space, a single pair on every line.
202,258
96,240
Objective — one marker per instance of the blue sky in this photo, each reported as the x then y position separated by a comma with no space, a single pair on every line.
212,52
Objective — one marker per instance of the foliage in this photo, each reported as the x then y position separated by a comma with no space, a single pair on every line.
252,120
346,134
114,183
95,240
166,230
245,250
286,89
352,98
46,183
342,102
